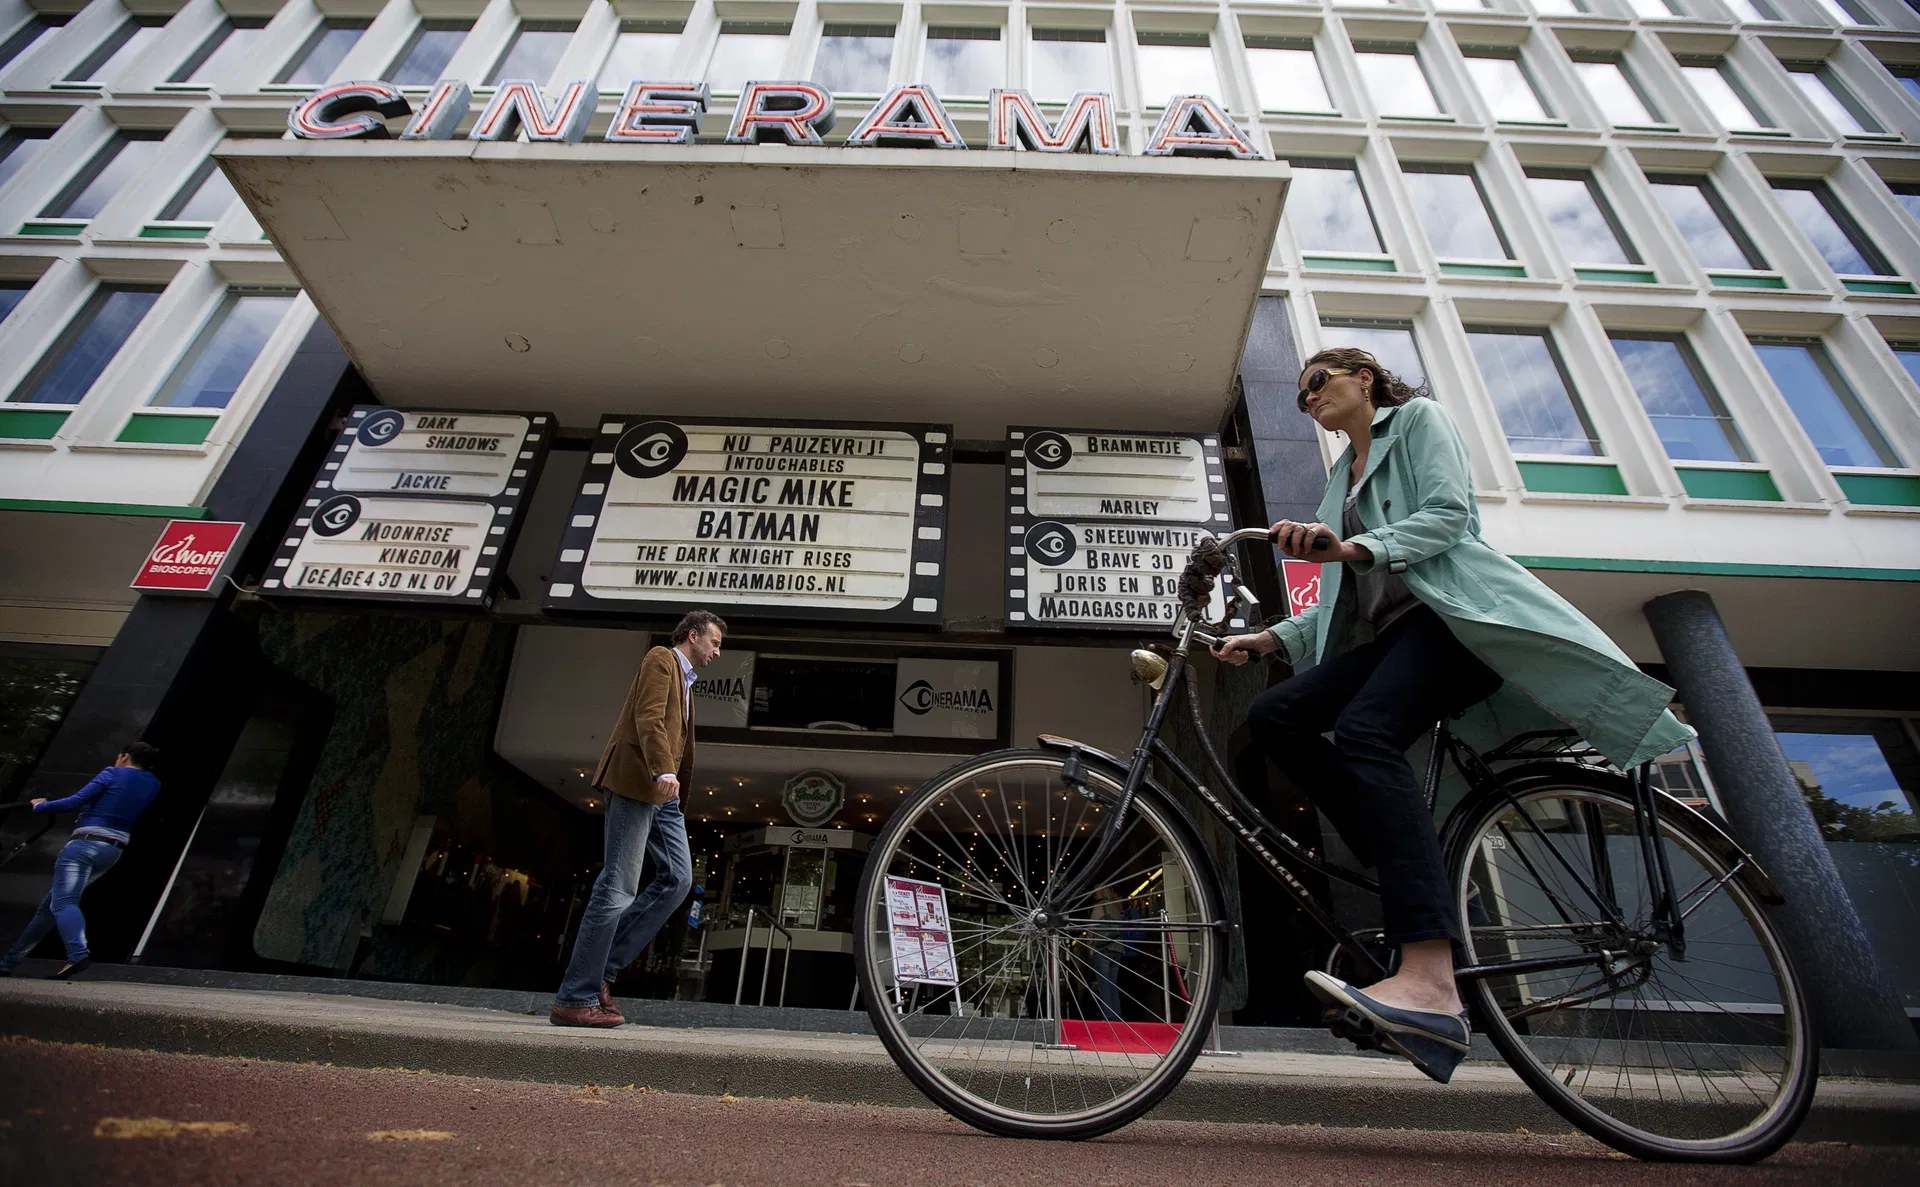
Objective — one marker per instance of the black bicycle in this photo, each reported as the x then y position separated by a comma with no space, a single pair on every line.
1042,931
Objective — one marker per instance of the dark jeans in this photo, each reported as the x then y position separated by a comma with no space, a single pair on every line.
80,864
1378,699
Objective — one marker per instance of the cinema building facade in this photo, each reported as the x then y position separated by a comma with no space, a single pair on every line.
928,396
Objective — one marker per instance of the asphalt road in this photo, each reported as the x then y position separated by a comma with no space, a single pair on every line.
88,1115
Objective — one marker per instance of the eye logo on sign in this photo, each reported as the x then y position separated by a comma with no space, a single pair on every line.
381,427
336,515
918,698
1049,450
1051,542
651,449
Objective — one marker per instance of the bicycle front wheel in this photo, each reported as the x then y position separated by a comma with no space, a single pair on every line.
1703,1052
1064,999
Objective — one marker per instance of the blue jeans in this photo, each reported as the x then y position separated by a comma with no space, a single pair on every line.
617,926
81,861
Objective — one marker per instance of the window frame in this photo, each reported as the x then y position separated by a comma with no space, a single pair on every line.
1170,38
1293,45
211,45
1545,334
312,45
676,29
1486,205
19,42
85,72
188,191
15,135
1659,119
1607,214
1729,222
1764,123
420,30
1410,49
215,320
84,177
1736,440
942,31
1338,322
1822,72
827,28
1347,165
78,323
1856,235
1512,54
1844,392
496,74
1081,34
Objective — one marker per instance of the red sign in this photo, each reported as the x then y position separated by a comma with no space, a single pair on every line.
188,556
1303,585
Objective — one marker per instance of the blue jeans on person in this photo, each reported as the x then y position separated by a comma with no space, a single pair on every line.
81,861
619,922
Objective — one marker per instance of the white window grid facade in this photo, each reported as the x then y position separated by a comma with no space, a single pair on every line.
1852,45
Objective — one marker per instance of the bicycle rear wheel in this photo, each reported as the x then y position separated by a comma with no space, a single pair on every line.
1704,1056
1058,1017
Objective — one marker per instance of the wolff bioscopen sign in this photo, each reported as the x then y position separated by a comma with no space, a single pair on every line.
794,113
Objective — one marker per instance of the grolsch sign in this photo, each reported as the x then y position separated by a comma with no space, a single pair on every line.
792,112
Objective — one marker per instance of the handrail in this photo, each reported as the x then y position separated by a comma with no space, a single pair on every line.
746,948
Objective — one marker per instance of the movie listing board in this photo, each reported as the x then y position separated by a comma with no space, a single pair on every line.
1100,522
767,518
414,505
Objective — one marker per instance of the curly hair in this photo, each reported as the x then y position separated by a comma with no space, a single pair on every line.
697,620
1389,390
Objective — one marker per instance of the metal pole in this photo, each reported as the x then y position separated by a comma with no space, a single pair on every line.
785,965
153,920
1166,983
746,946
766,962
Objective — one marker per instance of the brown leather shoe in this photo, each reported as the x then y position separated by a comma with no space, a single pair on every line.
592,1016
606,1001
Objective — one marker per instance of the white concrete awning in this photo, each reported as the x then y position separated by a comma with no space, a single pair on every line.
983,288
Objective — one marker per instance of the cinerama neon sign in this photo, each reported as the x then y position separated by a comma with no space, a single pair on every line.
793,113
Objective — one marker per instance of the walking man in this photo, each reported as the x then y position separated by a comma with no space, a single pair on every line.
108,807
648,759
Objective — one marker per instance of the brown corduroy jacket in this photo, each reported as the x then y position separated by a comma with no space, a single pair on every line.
654,735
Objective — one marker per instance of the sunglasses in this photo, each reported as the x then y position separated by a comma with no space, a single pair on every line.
1317,382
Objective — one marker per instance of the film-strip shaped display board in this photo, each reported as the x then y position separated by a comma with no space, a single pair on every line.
416,505
1099,524
768,518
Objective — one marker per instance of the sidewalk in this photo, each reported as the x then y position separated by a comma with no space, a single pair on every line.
1288,1087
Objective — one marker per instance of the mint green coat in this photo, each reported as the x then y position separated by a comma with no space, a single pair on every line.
1416,501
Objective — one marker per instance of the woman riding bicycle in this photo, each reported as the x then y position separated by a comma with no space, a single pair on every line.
1419,619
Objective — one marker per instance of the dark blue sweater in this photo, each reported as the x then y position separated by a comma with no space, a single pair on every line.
113,801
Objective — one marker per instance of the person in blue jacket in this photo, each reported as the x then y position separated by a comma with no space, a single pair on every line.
108,807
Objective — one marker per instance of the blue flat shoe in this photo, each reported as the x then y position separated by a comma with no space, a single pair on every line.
1432,1041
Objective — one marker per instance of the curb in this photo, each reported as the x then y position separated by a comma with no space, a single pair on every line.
1358,1093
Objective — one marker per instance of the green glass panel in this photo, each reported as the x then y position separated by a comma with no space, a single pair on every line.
1731,484
45,228
148,429
1482,270
1562,478
1350,265
164,232
1619,275
32,425
1746,282
1878,286
1880,490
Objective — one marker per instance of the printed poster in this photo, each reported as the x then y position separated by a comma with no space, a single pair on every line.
921,933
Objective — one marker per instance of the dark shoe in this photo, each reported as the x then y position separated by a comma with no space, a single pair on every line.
1432,1041
606,1001
592,1016
72,969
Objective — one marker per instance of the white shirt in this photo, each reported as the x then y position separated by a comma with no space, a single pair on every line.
686,674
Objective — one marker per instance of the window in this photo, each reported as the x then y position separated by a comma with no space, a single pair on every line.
121,49
1560,7
1397,82
1582,221
25,37
1063,61
1460,6
323,52
1834,234
206,196
1286,75
1175,64
225,350
1908,195
1327,209
964,60
1907,352
12,292
432,46
18,148
1846,770
1843,113
1615,93
123,158
1908,76
1391,342
221,52
854,59
747,50
1823,403
1714,86
1531,392
1845,12
534,51
1752,11
1453,211
1682,405
1653,9
642,51
83,350
1704,221
1504,85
